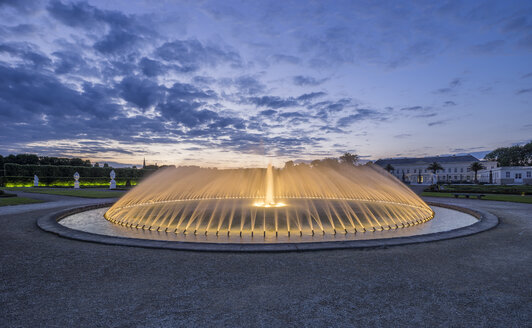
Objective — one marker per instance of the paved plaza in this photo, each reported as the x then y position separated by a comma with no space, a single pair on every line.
477,281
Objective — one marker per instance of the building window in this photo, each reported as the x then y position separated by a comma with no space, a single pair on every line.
529,174
407,170
455,170
456,177
461,169
425,170
414,170
468,169
518,176
507,174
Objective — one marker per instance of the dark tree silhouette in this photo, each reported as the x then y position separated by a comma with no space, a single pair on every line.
475,167
434,167
348,158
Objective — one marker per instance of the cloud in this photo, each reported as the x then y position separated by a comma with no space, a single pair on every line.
124,32
453,85
527,75
27,52
449,103
414,108
311,96
190,55
280,58
68,62
402,136
361,115
268,112
522,91
273,102
141,92
307,80
440,122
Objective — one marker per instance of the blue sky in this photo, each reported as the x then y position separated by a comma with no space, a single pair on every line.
228,83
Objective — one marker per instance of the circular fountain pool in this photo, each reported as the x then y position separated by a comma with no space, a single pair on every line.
91,221
258,210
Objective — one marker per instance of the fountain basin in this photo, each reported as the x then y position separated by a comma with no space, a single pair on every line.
88,224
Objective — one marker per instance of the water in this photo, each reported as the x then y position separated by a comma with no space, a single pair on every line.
301,201
92,221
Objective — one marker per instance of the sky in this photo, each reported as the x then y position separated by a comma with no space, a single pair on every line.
246,83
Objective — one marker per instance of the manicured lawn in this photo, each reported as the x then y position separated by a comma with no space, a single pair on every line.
85,193
6,201
498,197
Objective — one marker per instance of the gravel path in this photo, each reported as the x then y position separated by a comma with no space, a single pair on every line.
477,281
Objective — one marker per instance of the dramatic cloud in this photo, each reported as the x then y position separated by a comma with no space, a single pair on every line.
182,81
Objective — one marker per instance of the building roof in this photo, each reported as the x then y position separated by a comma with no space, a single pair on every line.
427,160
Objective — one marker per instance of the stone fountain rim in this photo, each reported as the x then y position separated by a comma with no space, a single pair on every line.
50,223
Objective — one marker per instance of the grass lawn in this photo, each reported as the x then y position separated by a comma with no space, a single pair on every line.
6,201
498,197
85,193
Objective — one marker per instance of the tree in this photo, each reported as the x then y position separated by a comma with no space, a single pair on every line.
105,165
434,167
315,163
289,165
389,167
96,164
330,162
475,167
349,159
512,156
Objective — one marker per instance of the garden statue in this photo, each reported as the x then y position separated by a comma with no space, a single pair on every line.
112,184
76,183
35,181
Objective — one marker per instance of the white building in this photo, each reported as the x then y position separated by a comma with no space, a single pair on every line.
456,169
515,175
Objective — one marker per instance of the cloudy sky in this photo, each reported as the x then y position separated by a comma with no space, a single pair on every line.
227,83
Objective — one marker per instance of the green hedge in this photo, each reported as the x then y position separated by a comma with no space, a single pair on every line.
64,182
491,189
16,170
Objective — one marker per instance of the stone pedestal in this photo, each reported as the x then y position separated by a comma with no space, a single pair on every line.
35,181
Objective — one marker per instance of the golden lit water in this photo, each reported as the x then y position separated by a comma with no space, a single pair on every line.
291,202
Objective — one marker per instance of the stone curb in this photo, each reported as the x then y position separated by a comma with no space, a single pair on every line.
50,223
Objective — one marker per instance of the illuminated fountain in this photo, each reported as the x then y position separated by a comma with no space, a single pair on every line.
290,203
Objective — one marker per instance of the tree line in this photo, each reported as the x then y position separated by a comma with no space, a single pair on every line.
512,156
32,159
345,159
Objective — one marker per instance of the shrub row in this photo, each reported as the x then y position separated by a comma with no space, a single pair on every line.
64,182
489,189
13,170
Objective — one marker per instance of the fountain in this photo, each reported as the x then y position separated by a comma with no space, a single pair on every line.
299,201
256,209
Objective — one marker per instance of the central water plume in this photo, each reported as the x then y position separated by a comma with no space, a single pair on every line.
269,201
293,202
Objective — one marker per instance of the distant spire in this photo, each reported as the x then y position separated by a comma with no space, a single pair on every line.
144,163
